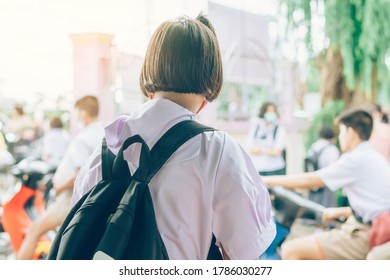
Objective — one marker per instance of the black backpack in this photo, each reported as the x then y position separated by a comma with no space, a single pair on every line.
311,159
116,220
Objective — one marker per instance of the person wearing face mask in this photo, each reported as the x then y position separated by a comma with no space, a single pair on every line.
380,137
267,142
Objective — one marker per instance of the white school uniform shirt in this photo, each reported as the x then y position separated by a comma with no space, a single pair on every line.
208,186
55,144
262,136
78,151
364,175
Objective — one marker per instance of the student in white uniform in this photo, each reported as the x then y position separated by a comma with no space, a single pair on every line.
325,152
80,148
55,142
364,175
267,141
209,185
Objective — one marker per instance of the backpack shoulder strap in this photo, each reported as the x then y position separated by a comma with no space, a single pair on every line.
151,160
171,141
257,130
314,157
317,154
107,158
275,131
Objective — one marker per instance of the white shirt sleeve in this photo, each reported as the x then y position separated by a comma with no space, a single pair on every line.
80,151
339,174
88,176
242,209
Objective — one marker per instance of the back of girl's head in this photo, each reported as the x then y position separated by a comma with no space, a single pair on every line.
183,56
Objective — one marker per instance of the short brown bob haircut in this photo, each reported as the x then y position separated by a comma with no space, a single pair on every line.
183,56
89,104
359,120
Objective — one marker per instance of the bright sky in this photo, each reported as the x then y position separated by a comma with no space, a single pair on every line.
36,51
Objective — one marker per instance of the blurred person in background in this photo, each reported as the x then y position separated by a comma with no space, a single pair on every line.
380,137
6,158
55,142
267,141
80,148
21,124
322,153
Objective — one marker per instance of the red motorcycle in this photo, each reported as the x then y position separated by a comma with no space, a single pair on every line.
28,203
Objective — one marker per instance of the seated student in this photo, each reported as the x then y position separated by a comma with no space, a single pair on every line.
209,185
364,175
379,252
267,142
321,154
55,142
81,147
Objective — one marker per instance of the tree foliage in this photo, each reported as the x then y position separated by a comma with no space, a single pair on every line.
326,116
358,30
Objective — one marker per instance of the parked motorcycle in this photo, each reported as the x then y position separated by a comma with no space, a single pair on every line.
28,203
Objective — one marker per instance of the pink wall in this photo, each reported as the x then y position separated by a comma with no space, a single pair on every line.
92,70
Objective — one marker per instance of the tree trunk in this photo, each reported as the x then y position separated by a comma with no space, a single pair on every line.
332,84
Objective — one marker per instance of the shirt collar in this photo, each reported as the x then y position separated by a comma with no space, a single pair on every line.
152,116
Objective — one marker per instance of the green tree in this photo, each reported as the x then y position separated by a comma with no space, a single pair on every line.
352,66
326,116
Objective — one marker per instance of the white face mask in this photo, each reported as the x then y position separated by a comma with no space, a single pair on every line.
270,117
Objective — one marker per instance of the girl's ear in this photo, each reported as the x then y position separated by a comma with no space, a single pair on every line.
150,95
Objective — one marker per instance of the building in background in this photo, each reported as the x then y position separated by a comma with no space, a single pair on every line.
250,70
